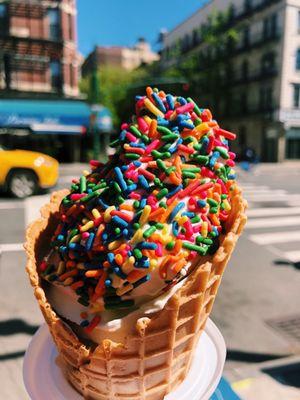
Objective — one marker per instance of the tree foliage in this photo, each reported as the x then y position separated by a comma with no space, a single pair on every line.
202,67
113,85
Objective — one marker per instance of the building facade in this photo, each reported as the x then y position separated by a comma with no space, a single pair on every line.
257,90
38,49
127,58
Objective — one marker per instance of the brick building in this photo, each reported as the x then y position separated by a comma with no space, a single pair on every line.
127,58
38,50
40,107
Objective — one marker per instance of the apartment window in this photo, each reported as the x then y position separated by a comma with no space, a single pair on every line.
266,28
195,37
55,75
245,69
54,23
244,103
2,10
231,12
7,70
274,24
246,36
270,26
71,75
269,98
3,18
266,98
248,5
268,62
186,43
298,60
297,95
70,23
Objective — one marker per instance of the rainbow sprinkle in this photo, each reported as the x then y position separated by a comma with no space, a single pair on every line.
161,200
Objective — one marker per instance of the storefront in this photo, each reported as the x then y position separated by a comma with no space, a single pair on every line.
293,143
57,128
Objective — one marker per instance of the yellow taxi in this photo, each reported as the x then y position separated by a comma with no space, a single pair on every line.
23,173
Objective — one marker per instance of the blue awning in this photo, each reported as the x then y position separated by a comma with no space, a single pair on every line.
51,116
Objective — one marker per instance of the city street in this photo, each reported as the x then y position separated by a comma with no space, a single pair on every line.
257,309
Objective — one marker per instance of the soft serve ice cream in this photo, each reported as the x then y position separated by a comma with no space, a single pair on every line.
132,229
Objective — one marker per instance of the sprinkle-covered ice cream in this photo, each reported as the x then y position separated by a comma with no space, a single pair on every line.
132,228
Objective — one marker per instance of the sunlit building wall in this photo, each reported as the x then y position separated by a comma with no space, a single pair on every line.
127,58
259,75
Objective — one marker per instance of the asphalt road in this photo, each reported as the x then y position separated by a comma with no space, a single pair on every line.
261,284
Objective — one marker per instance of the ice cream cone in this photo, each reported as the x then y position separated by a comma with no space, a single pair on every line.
156,355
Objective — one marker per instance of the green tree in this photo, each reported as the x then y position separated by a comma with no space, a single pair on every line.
113,83
204,69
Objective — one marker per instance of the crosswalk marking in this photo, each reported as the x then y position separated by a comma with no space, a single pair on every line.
264,192
32,207
11,247
11,205
254,187
66,179
275,237
293,256
273,218
271,197
293,203
273,222
265,212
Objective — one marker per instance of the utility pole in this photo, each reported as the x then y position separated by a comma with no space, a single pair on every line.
95,109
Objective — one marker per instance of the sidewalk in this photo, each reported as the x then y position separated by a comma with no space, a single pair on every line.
271,380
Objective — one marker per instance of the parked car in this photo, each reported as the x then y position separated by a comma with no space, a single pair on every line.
23,173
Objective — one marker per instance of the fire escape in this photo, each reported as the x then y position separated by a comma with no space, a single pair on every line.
18,50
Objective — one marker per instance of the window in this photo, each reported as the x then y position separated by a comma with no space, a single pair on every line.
268,62
269,98
54,23
7,70
231,12
246,36
70,23
2,10
3,18
186,43
298,60
195,37
248,5
266,98
71,76
270,26
266,28
297,95
55,75
244,103
245,69
274,24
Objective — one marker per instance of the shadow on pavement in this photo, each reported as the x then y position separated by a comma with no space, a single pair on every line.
12,356
13,326
295,264
286,375
250,357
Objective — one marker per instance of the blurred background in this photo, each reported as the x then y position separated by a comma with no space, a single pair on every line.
69,72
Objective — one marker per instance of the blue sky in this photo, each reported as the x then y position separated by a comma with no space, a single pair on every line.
121,22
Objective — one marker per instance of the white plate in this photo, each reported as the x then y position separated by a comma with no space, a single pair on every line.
44,380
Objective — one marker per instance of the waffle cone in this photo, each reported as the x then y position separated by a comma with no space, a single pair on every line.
156,354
